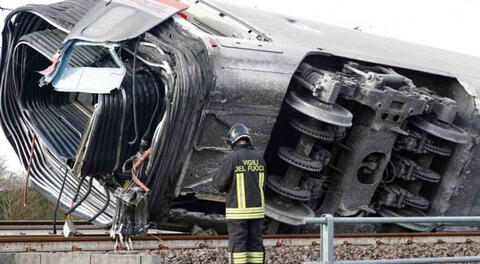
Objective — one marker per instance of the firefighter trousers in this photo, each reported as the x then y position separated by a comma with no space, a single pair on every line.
245,242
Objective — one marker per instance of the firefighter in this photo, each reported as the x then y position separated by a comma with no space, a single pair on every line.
242,176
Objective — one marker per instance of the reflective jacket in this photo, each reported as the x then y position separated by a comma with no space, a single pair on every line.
242,176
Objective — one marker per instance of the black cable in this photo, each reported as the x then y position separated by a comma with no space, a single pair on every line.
90,182
104,207
58,202
152,118
77,191
134,66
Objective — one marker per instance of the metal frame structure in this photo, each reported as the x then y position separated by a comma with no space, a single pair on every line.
327,222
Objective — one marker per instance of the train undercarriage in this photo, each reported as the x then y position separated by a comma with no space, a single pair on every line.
361,140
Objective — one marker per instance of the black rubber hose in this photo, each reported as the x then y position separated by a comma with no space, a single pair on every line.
77,191
154,115
90,182
104,207
58,202
135,119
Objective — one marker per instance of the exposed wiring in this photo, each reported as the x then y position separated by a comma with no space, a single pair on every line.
135,118
90,182
58,202
154,115
77,191
107,202
137,164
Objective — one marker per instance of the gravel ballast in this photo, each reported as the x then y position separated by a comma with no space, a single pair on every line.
297,255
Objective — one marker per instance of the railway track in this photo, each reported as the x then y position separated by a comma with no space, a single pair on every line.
25,236
44,228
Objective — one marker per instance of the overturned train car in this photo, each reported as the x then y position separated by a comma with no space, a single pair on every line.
118,109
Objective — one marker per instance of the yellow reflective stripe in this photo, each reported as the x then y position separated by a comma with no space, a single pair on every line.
245,213
239,257
253,213
245,210
245,216
241,190
255,257
249,216
239,193
240,261
244,198
261,178
250,213
231,216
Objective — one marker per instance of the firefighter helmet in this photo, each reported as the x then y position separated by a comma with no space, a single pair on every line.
236,132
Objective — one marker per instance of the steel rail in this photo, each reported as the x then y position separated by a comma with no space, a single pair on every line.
59,238
39,222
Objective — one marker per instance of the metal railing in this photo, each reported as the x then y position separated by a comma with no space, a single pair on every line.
327,247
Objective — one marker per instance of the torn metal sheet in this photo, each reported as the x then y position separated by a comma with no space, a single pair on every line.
67,78
119,20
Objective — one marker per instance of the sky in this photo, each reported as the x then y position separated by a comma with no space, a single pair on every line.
445,24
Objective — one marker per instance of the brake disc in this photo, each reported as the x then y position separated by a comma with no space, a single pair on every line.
396,196
409,170
417,201
421,142
274,182
298,160
327,133
426,175
437,149
446,131
329,113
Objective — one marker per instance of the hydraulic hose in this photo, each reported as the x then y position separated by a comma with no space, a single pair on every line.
90,182
107,193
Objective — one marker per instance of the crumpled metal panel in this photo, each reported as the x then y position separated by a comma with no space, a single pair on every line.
99,25
66,78
26,109
46,42
63,15
133,17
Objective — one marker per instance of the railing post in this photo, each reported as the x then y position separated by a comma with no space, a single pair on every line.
327,250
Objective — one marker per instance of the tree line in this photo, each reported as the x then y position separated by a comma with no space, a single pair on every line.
11,198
